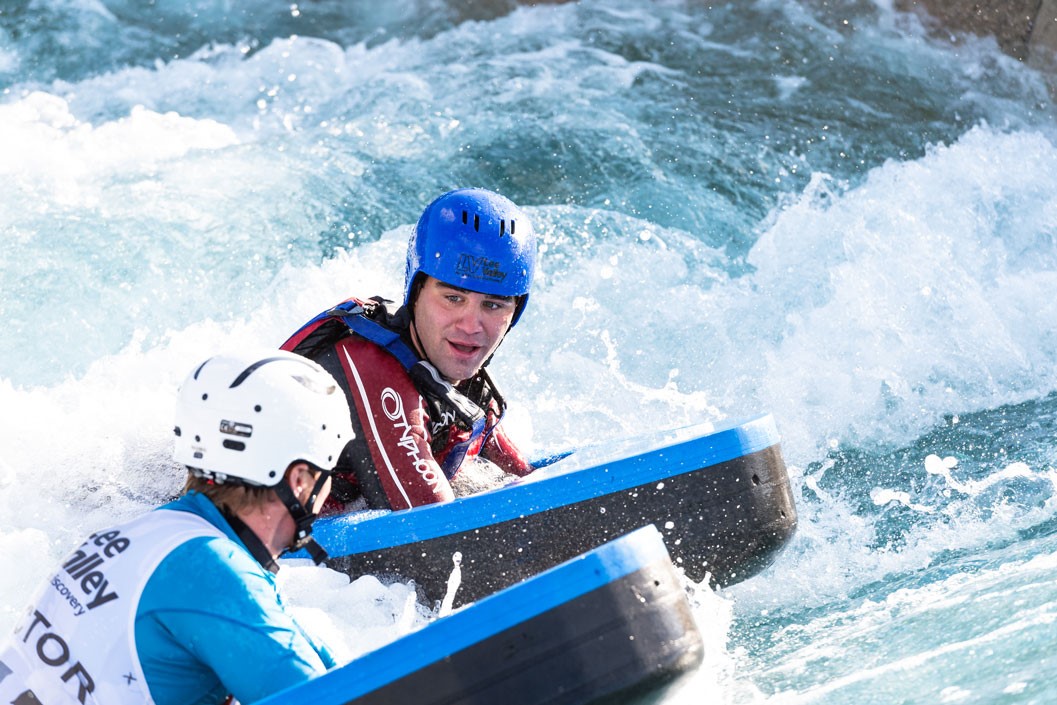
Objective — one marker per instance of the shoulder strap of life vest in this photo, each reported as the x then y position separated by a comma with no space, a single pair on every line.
422,373
358,319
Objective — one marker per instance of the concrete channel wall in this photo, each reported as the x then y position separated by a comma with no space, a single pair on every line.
1044,33
1025,29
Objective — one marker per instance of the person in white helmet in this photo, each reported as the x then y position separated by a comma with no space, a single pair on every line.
180,605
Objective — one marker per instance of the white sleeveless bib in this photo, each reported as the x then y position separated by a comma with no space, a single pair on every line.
76,643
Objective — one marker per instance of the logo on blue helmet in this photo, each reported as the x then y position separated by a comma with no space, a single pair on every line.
482,268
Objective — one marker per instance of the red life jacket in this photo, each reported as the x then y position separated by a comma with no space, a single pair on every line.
414,430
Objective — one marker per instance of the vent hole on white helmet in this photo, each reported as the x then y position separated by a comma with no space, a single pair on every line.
204,397
234,445
257,407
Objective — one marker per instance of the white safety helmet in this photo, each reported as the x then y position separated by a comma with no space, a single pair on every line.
245,417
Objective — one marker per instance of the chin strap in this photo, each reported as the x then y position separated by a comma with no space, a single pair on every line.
303,518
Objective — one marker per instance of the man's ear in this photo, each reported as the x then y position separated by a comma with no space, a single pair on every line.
295,475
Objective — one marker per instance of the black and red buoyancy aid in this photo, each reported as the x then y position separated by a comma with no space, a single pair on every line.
414,429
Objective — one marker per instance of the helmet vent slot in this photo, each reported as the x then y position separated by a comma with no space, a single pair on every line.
234,445
502,228
476,223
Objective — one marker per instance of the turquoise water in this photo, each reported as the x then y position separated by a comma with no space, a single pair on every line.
813,209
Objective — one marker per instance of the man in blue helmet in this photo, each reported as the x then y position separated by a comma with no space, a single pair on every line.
423,405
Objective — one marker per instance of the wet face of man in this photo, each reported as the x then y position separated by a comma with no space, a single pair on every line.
456,329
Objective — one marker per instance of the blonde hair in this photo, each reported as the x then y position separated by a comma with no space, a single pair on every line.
234,498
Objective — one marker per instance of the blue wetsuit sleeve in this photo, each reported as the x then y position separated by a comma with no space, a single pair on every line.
210,622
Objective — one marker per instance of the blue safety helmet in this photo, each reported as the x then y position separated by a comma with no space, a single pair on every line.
476,240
